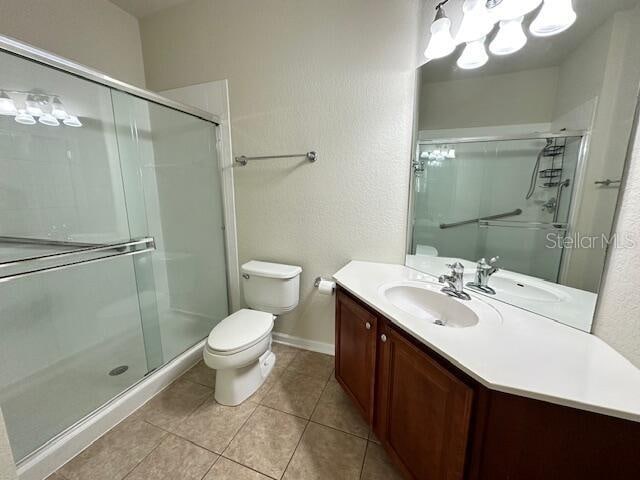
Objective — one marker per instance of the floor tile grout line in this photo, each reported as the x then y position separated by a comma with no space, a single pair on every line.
339,430
181,436
247,467
286,413
146,456
295,449
364,459
315,407
238,431
211,467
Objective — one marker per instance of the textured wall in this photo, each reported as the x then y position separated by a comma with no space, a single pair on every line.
95,33
7,468
482,101
618,317
333,76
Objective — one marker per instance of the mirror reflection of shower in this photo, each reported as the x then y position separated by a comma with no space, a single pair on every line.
482,197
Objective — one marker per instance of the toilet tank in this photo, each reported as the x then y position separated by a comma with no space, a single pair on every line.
271,287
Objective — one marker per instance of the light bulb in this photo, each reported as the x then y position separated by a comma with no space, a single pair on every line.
72,121
24,118
510,9
441,43
57,109
49,120
510,37
476,23
555,17
33,108
7,106
474,55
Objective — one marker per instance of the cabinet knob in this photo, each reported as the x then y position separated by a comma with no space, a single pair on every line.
368,326
383,337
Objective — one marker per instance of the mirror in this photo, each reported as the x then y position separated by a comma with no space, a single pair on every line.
520,157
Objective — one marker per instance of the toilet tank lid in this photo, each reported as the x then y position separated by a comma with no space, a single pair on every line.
271,270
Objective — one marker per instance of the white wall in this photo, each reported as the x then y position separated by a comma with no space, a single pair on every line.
333,76
95,33
618,316
598,82
512,98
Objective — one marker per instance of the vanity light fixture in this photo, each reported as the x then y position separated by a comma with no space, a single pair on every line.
555,17
7,105
476,23
24,118
33,106
57,109
441,43
72,121
39,107
510,37
474,55
48,119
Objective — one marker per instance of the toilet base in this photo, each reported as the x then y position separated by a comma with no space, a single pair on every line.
235,385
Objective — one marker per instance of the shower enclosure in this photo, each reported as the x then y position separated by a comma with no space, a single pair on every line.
112,256
499,196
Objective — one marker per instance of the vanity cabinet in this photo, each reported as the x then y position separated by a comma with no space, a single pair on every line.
423,412
437,423
356,329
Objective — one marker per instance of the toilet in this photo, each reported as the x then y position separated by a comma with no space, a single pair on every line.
239,347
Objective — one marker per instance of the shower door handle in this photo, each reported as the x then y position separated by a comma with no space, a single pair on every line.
73,258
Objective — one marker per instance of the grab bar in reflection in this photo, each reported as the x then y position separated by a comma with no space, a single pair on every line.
608,182
311,156
476,220
123,249
524,225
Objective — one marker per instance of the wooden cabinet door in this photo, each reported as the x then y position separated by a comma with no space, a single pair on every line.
423,411
356,329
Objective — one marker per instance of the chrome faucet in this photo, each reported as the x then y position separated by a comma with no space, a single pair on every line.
484,270
455,282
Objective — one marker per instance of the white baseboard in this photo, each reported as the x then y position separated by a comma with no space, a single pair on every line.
76,438
321,347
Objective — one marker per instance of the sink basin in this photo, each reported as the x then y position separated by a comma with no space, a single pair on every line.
507,288
426,302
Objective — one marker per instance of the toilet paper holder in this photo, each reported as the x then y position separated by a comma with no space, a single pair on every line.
317,281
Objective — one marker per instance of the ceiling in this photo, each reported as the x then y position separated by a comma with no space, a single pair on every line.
143,8
538,52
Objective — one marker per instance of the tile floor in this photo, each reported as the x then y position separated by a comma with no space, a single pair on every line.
298,425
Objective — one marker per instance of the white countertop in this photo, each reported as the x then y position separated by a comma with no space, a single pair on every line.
525,354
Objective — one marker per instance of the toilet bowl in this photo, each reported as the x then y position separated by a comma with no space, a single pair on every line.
239,347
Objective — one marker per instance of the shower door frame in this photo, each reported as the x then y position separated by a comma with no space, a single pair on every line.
90,421
578,187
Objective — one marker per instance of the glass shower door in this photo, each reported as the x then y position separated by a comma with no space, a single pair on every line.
170,166
70,320
112,255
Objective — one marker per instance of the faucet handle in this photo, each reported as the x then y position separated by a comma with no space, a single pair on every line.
482,263
456,267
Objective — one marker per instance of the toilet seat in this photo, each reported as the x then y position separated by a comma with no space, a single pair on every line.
239,331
